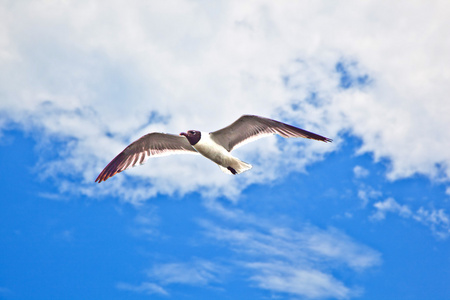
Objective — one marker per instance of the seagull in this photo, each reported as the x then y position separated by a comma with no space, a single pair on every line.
215,146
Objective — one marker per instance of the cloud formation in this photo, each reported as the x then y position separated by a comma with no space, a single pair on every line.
161,276
93,78
295,261
145,287
197,273
300,260
436,219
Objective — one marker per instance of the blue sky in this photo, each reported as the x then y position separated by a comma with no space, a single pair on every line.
366,217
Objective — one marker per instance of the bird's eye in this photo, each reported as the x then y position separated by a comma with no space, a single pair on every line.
194,133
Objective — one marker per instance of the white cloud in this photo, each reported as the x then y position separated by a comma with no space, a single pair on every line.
199,272
195,273
360,172
390,205
146,287
95,77
437,219
299,262
281,277
367,193
146,222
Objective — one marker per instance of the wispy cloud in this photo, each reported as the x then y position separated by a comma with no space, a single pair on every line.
161,276
367,193
146,222
199,272
360,172
297,262
390,205
146,287
437,219
310,283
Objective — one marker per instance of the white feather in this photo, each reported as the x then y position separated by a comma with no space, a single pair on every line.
218,154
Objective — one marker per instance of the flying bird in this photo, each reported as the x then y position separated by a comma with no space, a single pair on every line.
215,146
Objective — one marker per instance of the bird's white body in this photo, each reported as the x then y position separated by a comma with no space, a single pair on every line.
216,146
218,154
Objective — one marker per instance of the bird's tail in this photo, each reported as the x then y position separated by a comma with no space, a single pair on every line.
236,167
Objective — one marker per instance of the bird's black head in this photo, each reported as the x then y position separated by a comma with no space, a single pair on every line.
193,136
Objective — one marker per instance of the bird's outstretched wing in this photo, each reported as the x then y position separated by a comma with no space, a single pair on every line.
152,144
249,128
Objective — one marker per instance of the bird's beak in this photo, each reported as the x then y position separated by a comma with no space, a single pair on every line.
184,133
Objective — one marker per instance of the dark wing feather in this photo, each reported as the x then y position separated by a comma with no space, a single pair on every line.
152,144
248,128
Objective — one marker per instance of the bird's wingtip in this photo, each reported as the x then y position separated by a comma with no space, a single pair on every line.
101,177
